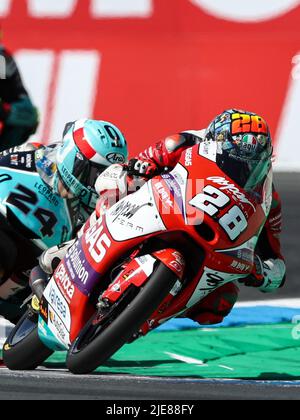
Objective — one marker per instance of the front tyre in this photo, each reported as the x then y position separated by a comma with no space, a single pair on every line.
97,343
23,349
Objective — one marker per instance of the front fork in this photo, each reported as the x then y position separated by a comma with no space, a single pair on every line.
137,272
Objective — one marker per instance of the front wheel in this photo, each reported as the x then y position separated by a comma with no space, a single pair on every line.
106,333
23,349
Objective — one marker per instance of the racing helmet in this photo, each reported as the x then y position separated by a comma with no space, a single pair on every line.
87,149
243,147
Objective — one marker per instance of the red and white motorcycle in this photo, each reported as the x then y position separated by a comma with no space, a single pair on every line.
151,257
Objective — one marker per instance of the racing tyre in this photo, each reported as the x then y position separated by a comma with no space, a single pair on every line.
23,349
107,332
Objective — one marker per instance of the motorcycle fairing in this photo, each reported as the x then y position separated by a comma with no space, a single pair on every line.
54,318
210,281
225,258
135,273
135,216
138,271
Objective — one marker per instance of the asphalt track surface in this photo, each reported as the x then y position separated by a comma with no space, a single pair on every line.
60,385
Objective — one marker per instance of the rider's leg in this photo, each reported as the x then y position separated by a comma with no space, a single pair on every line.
216,306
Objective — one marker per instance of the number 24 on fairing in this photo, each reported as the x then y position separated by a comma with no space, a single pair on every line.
99,242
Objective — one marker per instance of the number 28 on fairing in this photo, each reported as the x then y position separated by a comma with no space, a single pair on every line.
211,201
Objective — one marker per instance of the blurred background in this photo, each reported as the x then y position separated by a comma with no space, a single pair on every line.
154,67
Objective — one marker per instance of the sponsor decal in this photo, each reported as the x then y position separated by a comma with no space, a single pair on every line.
59,327
178,264
175,190
129,225
240,266
55,301
254,11
115,158
173,185
210,281
164,195
45,191
64,281
98,9
126,209
14,160
75,261
249,144
99,242
146,262
29,161
235,191
176,289
189,157
44,310
58,303
245,252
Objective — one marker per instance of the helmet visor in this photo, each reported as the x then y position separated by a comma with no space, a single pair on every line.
84,174
247,174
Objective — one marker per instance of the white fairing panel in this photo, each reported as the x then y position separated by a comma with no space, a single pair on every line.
210,281
134,216
59,316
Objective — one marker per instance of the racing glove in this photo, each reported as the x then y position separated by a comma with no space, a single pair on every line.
163,156
267,276
144,168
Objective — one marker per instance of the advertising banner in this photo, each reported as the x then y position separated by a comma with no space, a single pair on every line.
156,67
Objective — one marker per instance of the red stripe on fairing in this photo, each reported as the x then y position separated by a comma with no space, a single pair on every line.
83,144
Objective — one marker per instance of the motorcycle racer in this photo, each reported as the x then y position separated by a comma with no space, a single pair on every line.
243,149
46,195
240,144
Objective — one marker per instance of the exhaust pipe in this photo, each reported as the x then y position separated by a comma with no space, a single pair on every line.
38,281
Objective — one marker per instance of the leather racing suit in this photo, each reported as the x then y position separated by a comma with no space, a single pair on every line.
269,273
270,267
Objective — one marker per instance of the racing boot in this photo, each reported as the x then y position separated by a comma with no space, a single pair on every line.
216,306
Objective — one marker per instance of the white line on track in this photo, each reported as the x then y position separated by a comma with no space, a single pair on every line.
281,303
193,361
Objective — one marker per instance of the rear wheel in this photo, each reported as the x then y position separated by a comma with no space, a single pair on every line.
23,349
109,329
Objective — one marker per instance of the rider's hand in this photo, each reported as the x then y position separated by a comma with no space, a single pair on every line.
138,167
256,278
